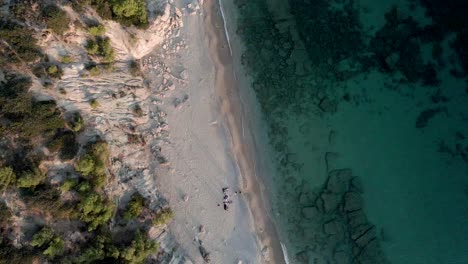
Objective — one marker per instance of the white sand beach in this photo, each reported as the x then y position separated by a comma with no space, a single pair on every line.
207,136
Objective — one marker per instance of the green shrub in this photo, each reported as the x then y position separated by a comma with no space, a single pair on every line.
21,44
84,187
127,12
94,103
101,47
31,178
55,247
43,237
5,214
7,178
94,162
68,185
56,19
135,68
92,47
130,12
67,59
45,198
85,165
65,144
75,122
44,119
134,207
94,71
163,217
95,210
105,49
140,248
47,239
137,111
54,71
96,31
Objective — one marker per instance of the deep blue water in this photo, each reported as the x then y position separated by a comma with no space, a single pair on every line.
367,113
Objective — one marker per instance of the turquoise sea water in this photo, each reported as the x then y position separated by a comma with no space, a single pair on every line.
367,110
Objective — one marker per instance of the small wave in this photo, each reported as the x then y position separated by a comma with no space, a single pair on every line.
225,26
285,253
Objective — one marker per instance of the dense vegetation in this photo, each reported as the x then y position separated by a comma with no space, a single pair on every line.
56,185
56,19
17,43
26,123
127,12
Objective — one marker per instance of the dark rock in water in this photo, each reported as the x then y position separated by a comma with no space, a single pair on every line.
356,185
427,115
310,212
338,180
353,201
319,203
341,257
360,231
330,201
356,218
371,253
333,228
327,105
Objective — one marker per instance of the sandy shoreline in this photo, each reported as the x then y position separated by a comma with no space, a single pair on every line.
243,142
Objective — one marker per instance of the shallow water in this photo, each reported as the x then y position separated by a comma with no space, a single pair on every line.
366,105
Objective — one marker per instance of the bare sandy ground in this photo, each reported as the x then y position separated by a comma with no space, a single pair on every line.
207,137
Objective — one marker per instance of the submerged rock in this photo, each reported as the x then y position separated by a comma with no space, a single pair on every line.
330,201
338,180
427,115
353,201
310,212
327,105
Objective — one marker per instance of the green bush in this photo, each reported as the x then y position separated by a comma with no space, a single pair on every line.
94,104
137,111
84,187
92,47
21,44
163,217
97,31
65,144
5,214
105,49
55,247
68,185
140,248
85,165
101,47
41,238
31,178
135,68
134,207
67,59
127,12
7,178
75,122
44,119
28,119
56,19
54,71
46,239
95,71
130,12
95,210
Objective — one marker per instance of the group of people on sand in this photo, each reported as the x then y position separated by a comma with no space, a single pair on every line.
226,200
